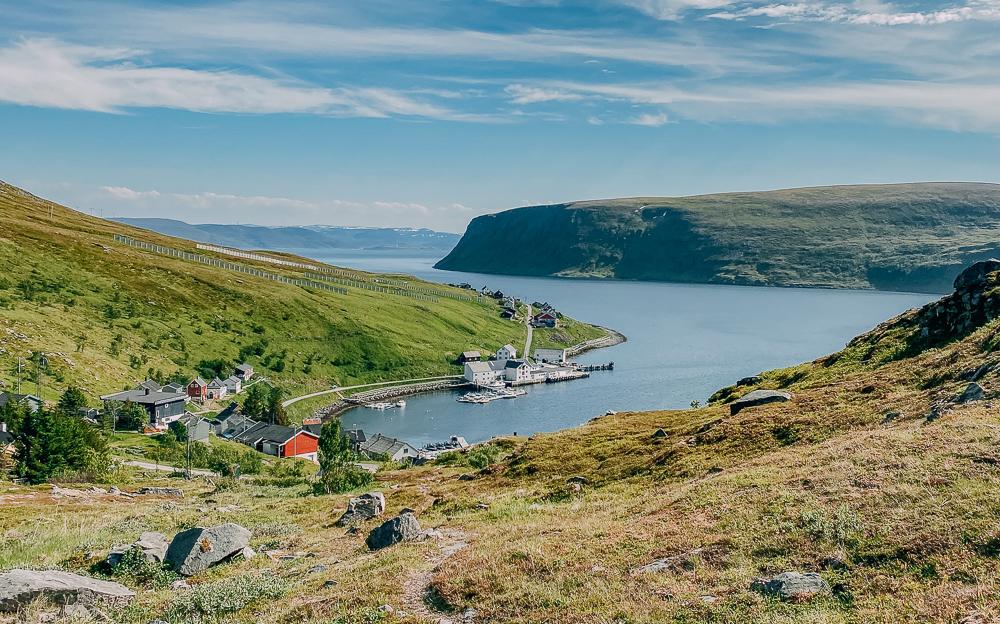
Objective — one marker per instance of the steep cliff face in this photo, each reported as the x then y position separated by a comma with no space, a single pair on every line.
911,237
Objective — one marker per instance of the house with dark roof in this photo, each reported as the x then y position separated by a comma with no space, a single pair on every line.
469,356
233,384
281,441
313,425
380,446
244,371
517,371
31,401
163,407
356,437
149,384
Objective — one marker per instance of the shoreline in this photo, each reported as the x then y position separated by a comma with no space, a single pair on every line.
612,338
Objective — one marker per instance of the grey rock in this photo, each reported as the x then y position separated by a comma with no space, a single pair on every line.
889,417
659,433
246,554
578,479
329,583
792,586
402,528
749,381
316,569
180,585
196,549
152,544
758,397
18,588
465,477
976,274
972,392
161,491
364,507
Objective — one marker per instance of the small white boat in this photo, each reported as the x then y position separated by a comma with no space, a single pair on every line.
401,403
380,405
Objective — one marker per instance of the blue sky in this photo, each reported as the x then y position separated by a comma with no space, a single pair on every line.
428,113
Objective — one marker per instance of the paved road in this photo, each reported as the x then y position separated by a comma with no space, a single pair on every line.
370,385
527,339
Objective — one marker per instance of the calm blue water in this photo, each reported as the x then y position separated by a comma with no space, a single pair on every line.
685,342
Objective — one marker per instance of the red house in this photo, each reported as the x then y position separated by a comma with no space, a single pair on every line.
302,444
197,389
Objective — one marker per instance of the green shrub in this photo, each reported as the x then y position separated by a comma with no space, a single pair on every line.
135,569
212,600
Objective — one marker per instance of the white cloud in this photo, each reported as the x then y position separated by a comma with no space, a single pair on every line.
45,72
673,9
209,207
864,13
649,119
525,94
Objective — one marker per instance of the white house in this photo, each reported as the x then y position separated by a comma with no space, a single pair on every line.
480,373
506,352
517,371
216,389
550,356
234,385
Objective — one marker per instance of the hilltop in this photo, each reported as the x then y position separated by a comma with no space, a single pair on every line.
879,474
905,237
299,238
108,314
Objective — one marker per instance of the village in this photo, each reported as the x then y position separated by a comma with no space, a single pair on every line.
204,409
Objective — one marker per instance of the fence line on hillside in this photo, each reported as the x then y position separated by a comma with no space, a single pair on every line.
346,277
223,264
249,255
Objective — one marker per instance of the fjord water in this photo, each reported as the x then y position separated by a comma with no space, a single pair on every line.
684,342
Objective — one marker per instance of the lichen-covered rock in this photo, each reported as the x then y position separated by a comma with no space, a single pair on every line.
160,491
18,588
196,549
792,586
364,507
152,544
758,397
972,392
402,528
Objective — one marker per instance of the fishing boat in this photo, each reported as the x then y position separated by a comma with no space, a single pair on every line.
401,403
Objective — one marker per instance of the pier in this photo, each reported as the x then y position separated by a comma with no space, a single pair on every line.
610,366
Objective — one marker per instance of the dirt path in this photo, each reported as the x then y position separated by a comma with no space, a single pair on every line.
417,599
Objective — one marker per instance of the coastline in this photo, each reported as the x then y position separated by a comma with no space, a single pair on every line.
338,407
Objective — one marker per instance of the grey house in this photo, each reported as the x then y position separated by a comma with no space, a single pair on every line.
197,427
163,407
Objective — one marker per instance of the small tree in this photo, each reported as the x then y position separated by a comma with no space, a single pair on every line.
274,407
125,416
71,401
336,461
256,402
51,443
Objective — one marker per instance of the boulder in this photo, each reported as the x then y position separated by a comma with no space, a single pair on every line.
792,586
758,397
364,507
972,392
402,528
976,274
578,480
152,544
18,588
753,380
196,549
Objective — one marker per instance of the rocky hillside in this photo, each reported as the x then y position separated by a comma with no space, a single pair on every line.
907,237
865,493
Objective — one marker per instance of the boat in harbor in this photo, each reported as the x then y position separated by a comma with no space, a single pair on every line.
492,395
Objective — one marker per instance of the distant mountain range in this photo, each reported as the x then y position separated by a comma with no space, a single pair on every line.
906,237
301,237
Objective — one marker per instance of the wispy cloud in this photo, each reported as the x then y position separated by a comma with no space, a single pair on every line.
653,120
862,13
209,207
47,72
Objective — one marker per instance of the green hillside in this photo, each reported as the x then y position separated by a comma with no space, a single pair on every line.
107,314
908,237
877,475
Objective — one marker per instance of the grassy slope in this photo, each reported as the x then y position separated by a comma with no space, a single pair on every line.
894,237
909,506
58,284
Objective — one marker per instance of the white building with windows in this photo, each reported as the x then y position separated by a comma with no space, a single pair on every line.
517,371
506,352
550,356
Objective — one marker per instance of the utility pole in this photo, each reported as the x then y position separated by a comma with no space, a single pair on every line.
187,460
20,367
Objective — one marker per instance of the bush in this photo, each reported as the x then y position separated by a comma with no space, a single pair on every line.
135,569
479,456
343,478
211,600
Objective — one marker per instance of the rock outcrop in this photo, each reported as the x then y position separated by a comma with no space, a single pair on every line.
402,528
18,588
758,397
364,507
792,586
196,549
153,546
